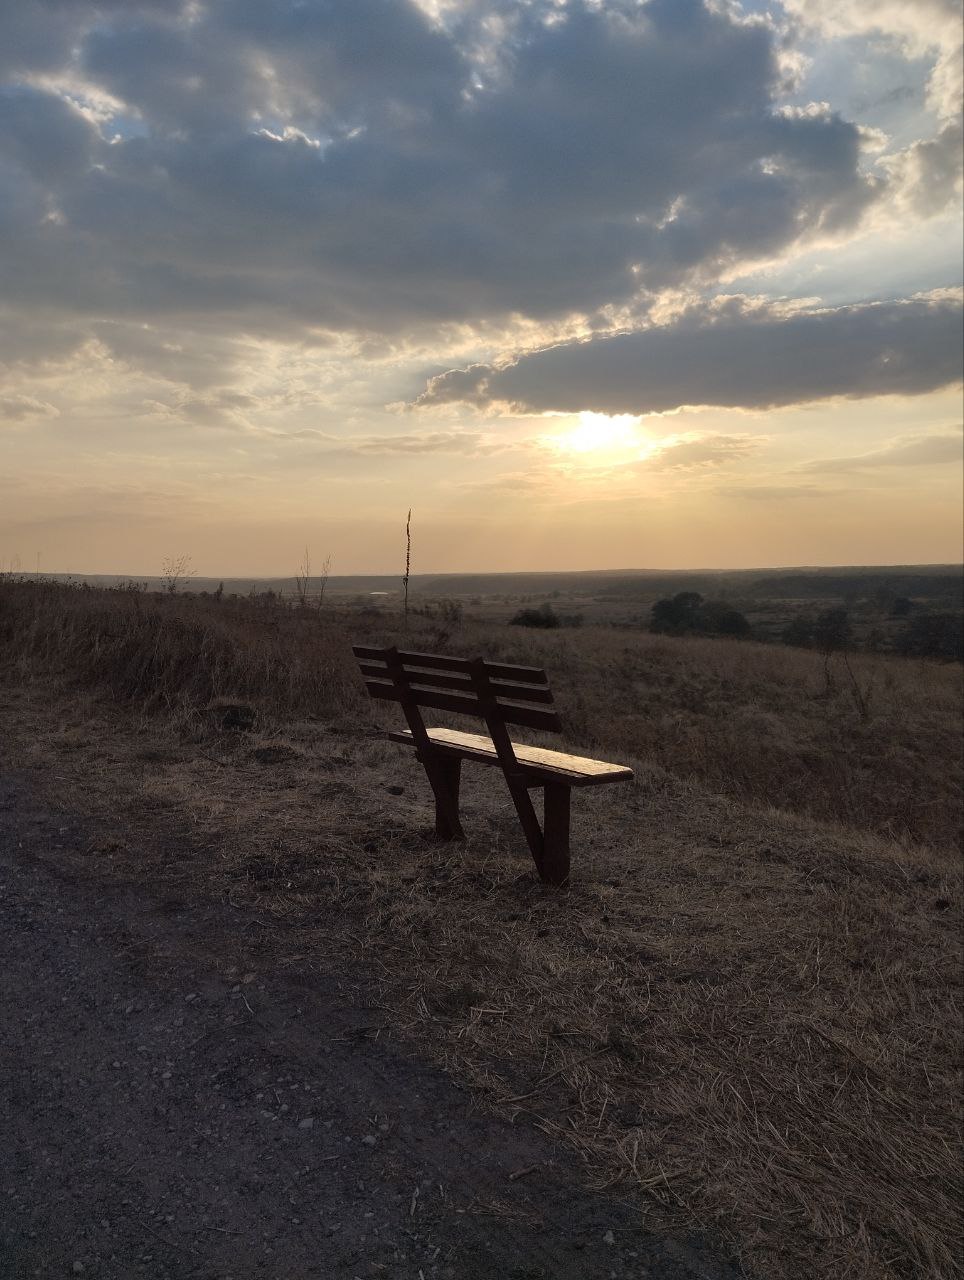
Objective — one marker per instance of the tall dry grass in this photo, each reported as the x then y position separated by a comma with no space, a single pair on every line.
871,742
179,652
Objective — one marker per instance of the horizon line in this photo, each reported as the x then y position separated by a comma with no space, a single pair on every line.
490,573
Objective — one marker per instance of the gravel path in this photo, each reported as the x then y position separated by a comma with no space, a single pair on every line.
163,1117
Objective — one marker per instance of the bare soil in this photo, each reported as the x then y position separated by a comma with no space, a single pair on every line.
168,1112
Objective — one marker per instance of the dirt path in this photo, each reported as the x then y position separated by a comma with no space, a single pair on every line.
160,1118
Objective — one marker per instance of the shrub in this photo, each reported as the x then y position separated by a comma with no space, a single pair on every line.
831,631
544,617
687,613
799,632
933,635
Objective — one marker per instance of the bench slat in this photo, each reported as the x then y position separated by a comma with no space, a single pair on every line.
442,662
575,771
496,670
498,689
531,717
463,684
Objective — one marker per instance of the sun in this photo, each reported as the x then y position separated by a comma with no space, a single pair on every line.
600,431
603,438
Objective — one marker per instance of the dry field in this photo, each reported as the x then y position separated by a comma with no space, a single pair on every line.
747,1004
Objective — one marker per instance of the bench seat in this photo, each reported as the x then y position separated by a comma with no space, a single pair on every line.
541,763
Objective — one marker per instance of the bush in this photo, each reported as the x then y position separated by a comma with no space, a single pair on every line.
831,631
687,613
545,617
799,632
933,635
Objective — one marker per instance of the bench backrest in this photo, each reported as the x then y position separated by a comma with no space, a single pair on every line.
471,687
492,691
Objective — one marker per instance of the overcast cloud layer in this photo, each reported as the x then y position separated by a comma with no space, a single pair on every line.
348,164
237,236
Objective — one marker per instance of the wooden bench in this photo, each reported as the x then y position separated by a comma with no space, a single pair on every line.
500,695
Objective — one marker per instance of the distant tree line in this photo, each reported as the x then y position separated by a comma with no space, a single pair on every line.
923,634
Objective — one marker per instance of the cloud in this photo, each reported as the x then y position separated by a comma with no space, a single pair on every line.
926,176
735,355
355,165
18,408
466,442
919,26
929,450
698,451
771,492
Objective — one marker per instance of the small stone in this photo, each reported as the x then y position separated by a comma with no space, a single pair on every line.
369,1139
79,1268
609,1238
307,1123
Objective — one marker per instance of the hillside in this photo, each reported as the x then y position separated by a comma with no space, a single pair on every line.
743,1006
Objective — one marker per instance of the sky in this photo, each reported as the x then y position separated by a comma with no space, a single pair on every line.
583,283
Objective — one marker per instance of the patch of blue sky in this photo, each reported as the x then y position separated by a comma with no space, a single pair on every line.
870,82
124,128
890,263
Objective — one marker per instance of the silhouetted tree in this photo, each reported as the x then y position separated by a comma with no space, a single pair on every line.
717,618
687,613
933,635
831,631
543,617
799,632
676,616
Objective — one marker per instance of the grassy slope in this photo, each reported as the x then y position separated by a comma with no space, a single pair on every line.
744,1012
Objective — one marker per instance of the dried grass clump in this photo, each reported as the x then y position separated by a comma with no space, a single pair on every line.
180,652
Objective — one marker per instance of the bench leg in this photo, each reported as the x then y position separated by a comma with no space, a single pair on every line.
445,777
555,852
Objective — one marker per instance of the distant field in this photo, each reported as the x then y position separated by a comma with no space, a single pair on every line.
746,1006
880,600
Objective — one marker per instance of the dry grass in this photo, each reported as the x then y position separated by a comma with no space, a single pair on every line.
752,1017
874,744
178,653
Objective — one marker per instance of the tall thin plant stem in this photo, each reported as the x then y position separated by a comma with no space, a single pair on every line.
408,561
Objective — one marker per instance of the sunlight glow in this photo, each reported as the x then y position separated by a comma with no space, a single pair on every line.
600,431
603,437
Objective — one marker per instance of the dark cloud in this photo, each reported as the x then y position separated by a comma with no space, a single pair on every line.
349,164
736,356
